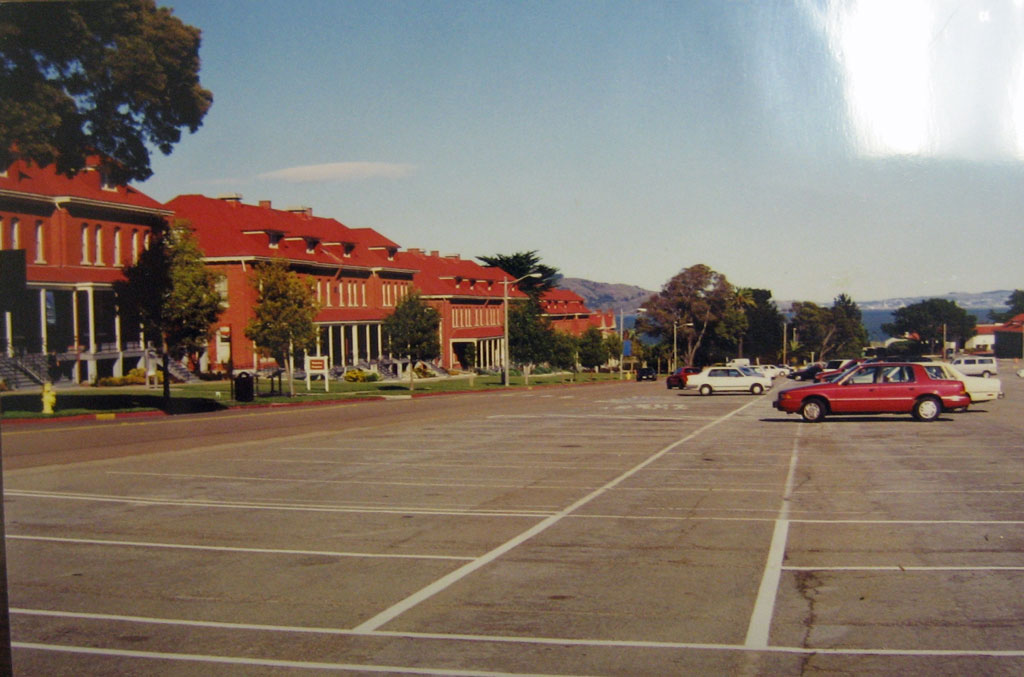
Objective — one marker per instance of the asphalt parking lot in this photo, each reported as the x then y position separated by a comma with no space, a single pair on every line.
618,529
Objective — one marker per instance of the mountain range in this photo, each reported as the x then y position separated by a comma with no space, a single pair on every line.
627,298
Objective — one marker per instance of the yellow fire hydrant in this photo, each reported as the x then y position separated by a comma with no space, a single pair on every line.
49,398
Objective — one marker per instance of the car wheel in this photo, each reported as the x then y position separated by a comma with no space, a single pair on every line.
927,409
813,410
756,389
986,374
705,389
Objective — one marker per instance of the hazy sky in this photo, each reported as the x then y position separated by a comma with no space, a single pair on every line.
809,147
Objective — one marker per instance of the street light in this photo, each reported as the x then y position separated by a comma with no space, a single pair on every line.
506,283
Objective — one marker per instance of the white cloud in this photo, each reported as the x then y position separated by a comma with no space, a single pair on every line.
340,171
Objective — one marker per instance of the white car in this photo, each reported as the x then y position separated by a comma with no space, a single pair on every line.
769,370
728,379
979,389
976,365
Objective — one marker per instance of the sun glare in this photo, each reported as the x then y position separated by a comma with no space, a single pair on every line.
883,48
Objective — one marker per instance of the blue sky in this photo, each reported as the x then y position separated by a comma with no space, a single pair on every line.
810,147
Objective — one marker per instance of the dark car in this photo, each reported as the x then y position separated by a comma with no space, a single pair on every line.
807,373
646,374
877,388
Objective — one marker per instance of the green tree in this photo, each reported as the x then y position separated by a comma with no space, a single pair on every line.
931,320
763,337
851,336
828,332
411,330
521,264
1015,303
112,78
172,293
688,308
284,315
531,339
564,351
593,348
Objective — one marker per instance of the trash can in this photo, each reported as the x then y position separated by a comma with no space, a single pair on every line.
243,387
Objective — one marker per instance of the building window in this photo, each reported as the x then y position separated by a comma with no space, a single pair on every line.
85,244
117,248
40,243
135,246
15,234
99,245
221,285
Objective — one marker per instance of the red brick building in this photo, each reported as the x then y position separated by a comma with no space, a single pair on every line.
470,299
357,275
77,234
568,313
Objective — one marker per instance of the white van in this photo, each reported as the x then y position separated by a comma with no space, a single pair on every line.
974,365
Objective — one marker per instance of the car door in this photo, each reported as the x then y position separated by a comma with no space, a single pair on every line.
857,393
897,388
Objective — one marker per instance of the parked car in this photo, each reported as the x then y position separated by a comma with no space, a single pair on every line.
979,389
728,379
976,365
646,374
834,368
769,370
805,374
676,379
877,388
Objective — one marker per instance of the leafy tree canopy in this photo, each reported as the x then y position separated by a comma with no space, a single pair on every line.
932,319
110,78
1015,303
688,308
284,313
521,264
530,336
829,332
411,330
594,350
172,293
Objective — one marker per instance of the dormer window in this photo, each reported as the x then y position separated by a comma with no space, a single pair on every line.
391,253
274,239
106,183
311,243
348,247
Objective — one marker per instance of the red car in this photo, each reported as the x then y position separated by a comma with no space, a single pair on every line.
677,379
878,388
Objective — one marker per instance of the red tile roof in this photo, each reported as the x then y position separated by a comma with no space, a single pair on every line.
454,276
228,228
86,187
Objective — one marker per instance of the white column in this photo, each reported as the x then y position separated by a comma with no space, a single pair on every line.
330,343
341,331
92,319
42,319
368,343
8,318
355,344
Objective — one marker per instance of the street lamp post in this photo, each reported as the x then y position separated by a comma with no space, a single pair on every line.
506,283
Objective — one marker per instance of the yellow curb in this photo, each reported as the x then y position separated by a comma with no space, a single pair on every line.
105,417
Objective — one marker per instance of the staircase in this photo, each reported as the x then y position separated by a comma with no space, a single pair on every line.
179,372
24,372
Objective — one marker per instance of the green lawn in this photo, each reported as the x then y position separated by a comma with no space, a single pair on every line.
216,395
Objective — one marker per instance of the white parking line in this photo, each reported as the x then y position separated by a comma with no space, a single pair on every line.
261,551
445,582
293,507
764,607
